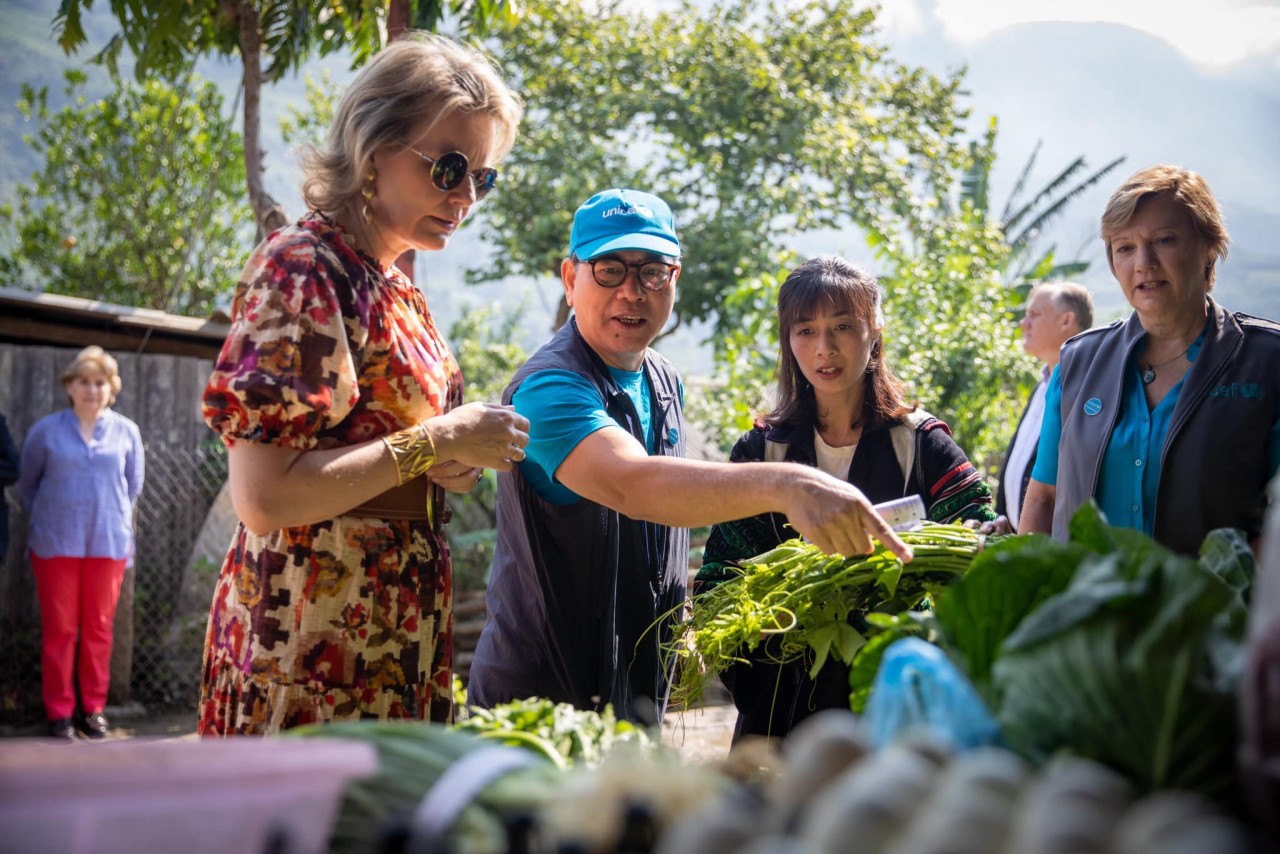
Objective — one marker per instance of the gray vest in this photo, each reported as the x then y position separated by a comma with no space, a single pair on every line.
581,597
1213,465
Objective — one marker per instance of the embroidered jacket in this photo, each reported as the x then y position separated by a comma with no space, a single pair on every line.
770,699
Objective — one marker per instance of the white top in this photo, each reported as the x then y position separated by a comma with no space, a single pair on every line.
834,461
1024,445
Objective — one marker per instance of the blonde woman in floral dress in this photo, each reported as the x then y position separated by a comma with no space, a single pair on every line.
341,408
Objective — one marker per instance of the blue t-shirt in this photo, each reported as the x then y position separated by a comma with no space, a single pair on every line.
564,408
1130,477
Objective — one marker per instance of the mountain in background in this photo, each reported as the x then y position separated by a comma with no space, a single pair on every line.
1101,90
1105,90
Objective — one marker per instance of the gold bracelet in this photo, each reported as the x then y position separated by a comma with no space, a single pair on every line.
413,451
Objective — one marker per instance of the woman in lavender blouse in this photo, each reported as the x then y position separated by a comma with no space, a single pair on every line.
80,475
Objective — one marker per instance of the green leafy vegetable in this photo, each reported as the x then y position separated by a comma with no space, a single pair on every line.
1134,663
563,733
411,759
1005,583
817,606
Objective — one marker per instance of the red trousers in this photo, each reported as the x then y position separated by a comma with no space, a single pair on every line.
78,595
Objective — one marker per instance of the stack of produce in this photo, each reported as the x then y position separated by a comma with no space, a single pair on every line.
1108,663
825,792
1109,646
379,814
831,795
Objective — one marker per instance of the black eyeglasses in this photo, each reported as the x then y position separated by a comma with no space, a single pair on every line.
612,272
449,171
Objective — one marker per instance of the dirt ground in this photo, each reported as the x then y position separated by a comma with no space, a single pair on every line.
700,734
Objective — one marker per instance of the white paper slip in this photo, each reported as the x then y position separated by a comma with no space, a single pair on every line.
903,514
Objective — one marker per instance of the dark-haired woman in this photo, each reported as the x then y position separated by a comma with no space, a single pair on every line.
839,408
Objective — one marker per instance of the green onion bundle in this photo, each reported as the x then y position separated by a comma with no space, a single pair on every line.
813,601
412,757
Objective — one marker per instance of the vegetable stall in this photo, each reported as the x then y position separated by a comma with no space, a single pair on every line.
1012,695
1078,696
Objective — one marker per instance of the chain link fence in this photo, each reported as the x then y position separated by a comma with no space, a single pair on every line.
171,589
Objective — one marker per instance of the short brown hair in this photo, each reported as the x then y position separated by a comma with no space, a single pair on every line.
1190,189
414,80
1069,296
94,358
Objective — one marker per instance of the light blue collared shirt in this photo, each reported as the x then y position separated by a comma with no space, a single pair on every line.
79,494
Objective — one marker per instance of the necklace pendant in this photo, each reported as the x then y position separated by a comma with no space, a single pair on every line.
1148,376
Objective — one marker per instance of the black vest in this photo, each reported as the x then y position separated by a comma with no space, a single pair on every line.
1213,465
577,591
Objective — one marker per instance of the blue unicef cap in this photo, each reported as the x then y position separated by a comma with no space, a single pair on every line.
615,220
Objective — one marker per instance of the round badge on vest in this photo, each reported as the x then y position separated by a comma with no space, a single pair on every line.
1092,406
673,436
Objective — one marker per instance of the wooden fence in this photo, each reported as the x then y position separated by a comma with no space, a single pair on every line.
161,393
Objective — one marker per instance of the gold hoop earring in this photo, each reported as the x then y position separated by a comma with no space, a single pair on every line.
368,192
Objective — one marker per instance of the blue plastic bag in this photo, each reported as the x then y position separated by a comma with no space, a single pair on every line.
917,687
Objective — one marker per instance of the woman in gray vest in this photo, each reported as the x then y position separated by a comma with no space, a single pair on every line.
1170,419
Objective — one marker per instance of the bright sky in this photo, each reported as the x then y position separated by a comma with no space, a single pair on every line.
1212,33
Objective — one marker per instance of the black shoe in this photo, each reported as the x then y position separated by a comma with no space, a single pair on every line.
94,725
62,729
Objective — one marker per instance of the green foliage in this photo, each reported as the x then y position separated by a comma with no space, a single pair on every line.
484,343
1149,645
1004,584
758,124
310,122
796,604
1109,646
270,38
166,37
569,735
138,201
755,122
951,328
746,354
1023,223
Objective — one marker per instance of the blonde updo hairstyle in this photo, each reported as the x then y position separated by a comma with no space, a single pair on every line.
410,84
1190,190
93,360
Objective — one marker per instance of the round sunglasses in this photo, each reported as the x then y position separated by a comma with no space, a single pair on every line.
449,170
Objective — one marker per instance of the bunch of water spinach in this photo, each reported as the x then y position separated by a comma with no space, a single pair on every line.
811,606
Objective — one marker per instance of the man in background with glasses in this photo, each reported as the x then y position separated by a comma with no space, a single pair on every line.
593,543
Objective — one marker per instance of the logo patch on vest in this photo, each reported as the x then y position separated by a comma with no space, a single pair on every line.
673,436
1092,406
1249,390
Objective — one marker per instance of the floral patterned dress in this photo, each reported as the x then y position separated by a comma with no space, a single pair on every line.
350,617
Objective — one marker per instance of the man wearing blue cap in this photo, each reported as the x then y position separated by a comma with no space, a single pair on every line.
593,543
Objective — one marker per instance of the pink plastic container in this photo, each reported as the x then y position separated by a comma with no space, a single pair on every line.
223,796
